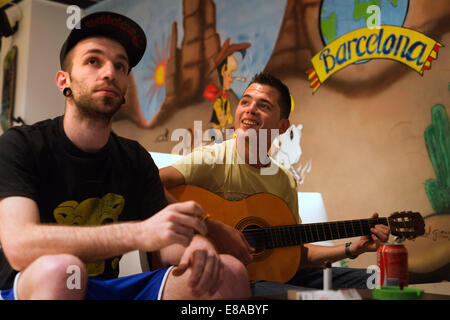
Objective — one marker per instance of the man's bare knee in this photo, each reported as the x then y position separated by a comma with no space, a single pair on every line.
61,276
236,277
235,283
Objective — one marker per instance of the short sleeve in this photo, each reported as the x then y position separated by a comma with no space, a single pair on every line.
17,170
197,166
153,197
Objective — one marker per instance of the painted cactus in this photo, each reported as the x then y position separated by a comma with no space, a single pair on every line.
437,139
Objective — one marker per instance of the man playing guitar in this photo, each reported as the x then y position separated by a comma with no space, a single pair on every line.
236,169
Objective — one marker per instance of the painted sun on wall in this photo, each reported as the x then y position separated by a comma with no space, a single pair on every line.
157,72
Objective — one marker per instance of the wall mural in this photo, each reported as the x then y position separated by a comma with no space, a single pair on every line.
357,31
358,140
286,149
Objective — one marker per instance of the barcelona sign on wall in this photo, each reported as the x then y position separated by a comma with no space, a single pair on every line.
380,37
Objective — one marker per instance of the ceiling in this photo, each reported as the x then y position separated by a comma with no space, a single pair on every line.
81,3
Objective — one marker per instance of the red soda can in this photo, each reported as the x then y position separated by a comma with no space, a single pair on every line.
392,260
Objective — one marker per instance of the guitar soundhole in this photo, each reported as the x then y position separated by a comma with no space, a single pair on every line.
250,227
254,240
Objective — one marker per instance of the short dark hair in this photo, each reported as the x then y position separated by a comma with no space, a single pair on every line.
67,62
266,78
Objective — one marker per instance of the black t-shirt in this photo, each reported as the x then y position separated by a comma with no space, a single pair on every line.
120,182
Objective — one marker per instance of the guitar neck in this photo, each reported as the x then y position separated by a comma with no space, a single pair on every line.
291,235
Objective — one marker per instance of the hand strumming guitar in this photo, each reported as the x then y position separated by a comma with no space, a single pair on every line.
230,241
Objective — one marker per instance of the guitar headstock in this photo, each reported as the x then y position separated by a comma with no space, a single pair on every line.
406,224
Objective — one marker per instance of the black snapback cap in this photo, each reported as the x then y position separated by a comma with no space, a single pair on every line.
111,25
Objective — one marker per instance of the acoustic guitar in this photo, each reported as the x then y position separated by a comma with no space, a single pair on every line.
269,226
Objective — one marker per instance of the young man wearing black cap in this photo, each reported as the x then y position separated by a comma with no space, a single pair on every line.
74,196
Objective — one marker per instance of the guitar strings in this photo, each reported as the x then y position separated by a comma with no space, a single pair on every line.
338,226
279,235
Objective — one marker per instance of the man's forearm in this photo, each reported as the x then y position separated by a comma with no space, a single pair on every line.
171,255
317,256
90,243
24,238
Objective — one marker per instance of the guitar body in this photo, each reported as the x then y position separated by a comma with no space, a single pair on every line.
257,211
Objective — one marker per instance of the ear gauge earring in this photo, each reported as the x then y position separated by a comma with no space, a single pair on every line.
123,100
67,92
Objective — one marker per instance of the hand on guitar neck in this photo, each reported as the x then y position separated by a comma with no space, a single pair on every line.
379,234
317,256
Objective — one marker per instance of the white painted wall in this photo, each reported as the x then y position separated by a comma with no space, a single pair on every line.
42,30
47,33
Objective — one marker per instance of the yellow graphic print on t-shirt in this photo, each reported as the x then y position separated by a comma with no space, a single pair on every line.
91,212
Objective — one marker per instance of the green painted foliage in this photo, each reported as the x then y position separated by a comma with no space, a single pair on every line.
437,139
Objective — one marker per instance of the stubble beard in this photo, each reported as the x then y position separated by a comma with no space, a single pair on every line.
95,108
100,108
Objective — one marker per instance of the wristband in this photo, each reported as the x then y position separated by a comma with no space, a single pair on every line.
348,253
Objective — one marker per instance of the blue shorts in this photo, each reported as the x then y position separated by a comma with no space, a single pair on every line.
141,286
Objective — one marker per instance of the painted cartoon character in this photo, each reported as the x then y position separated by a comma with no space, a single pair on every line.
287,151
225,64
